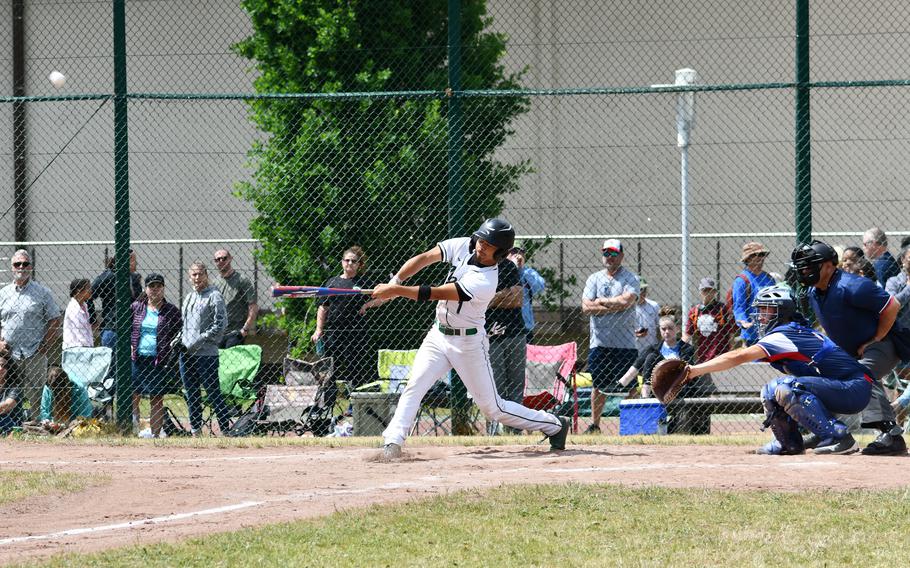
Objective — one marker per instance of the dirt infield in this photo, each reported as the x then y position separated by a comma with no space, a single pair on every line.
160,493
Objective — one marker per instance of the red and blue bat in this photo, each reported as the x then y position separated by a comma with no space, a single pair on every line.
316,291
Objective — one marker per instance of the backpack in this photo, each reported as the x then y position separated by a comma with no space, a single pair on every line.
729,302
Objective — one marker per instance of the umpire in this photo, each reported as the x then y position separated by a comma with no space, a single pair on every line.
859,316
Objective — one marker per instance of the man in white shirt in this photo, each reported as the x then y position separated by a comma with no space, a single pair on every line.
458,339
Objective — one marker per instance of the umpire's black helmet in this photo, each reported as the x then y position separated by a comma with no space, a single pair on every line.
497,232
808,259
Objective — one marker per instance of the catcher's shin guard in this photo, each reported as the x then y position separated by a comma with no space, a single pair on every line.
782,426
809,412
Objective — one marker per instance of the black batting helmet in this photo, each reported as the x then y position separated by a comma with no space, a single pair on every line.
777,297
497,232
808,259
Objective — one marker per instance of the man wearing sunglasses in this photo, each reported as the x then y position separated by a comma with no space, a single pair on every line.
240,298
29,320
609,299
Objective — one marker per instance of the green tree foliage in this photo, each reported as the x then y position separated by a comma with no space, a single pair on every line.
331,173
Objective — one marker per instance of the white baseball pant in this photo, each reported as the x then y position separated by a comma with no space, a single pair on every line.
470,357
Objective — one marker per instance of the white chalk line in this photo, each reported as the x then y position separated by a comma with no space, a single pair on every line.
90,461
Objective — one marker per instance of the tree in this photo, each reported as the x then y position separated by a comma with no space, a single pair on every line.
333,172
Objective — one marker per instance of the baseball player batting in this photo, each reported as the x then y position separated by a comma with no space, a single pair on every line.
457,339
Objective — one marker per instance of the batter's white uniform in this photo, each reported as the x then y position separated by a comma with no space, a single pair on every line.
469,355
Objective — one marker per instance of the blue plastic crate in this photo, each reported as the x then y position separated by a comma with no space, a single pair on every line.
641,416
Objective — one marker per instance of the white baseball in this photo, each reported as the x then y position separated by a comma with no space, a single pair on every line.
57,79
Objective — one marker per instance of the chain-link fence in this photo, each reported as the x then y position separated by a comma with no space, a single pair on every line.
325,143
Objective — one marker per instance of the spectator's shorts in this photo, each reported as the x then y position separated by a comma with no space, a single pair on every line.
607,365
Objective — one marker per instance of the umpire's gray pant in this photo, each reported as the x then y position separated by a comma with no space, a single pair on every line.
880,358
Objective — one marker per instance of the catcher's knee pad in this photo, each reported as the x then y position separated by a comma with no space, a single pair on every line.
811,414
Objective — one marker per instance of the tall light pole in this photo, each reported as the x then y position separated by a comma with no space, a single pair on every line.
685,122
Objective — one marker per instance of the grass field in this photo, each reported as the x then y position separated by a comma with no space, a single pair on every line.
17,485
567,525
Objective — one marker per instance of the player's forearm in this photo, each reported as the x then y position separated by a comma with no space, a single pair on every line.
444,292
727,361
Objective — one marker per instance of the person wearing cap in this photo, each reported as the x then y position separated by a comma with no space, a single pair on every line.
709,325
532,284
609,299
647,313
155,324
746,284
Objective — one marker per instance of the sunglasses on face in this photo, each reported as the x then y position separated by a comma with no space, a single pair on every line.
220,258
24,264
611,253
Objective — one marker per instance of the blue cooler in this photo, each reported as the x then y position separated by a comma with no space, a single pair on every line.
642,416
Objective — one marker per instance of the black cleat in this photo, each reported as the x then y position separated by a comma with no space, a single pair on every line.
844,446
810,441
886,444
558,440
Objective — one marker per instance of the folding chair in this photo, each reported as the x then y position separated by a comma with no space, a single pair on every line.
89,368
394,368
304,403
550,380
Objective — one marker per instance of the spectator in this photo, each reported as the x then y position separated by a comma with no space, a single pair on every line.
30,320
103,289
647,315
77,330
899,287
156,322
609,299
506,333
533,284
875,245
63,400
11,413
342,327
850,261
865,268
709,325
204,318
240,299
670,347
858,316
746,284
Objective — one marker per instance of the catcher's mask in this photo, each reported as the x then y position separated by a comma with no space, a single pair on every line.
773,306
497,232
807,260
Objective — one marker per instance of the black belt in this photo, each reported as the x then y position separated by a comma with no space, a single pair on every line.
456,331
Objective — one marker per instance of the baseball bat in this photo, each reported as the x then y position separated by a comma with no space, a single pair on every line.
315,291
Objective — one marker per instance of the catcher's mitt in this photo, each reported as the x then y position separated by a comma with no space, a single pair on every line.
668,378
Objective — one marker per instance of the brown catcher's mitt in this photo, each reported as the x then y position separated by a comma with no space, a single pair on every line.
668,378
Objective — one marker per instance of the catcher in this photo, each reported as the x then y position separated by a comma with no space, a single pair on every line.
820,378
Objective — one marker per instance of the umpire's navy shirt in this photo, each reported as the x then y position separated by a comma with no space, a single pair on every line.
849,309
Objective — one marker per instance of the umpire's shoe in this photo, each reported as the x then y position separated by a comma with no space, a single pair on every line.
846,445
887,444
558,440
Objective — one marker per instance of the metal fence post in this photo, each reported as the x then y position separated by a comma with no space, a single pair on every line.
124,386
803,131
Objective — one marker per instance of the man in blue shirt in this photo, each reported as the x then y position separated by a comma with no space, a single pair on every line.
746,284
858,315
875,245
532,283
820,378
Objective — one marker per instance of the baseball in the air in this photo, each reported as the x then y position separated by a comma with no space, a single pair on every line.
57,79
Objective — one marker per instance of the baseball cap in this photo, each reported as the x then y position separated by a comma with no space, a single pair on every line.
707,284
751,249
154,278
612,244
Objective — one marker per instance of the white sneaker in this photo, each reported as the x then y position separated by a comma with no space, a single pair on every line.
146,434
390,452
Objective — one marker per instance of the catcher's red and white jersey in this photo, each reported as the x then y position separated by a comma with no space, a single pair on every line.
477,282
